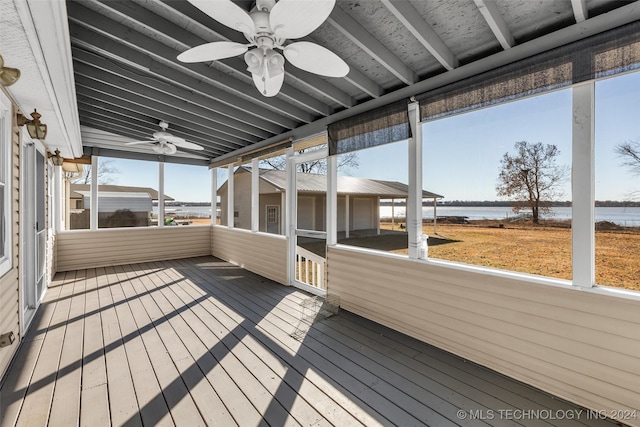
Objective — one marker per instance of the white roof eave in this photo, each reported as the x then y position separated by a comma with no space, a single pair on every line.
35,39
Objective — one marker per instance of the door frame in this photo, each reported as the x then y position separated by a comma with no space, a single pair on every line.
292,216
30,253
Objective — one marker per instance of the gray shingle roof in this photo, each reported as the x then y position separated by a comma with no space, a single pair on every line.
315,183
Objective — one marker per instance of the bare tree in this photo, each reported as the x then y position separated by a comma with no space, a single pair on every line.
345,163
629,152
531,177
106,170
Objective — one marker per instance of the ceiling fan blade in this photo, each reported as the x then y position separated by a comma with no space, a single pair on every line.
150,141
270,86
316,59
187,144
227,13
292,19
212,52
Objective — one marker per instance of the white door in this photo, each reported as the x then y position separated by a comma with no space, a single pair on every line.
307,240
273,219
34,226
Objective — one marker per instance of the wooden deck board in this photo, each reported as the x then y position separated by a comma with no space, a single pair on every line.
201,342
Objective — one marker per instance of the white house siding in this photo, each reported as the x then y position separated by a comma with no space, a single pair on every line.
86,249
9,283
262,253
581,345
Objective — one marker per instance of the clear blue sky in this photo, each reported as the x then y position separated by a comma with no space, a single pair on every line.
462,153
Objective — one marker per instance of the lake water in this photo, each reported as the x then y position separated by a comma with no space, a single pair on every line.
624,216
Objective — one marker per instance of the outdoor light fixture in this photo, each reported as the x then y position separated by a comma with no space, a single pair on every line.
56,158
8,76
36,129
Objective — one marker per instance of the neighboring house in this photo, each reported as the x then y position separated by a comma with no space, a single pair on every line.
358,200
118,206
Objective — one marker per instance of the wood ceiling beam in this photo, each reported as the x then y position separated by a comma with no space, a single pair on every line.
411,19
161,100
580,10
494,19
151,87
91,106
161,110
121,34
128,103
348,26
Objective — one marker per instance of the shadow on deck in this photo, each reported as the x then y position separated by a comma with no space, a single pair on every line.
202,342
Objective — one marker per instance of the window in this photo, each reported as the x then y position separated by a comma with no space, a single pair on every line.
463,158
5,183
617,209
372,196
187,204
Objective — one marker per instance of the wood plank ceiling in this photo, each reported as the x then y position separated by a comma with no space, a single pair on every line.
128,78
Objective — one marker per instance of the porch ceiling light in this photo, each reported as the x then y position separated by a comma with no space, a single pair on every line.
8,76
36,129
56,158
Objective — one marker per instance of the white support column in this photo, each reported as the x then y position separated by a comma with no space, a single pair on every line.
255,195
414,199
59,198
290,215
332,200
160,194
435,216
214,195
283,213
378,215
583,185
93,217
347,223
230,207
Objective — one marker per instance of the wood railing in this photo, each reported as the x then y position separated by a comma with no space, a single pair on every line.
310,268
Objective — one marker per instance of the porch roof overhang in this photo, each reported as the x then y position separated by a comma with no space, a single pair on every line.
127,78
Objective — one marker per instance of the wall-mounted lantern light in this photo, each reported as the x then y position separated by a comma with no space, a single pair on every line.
56,158
36,129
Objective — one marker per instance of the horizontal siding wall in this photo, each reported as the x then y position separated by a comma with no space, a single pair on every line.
9,282
262,253
580,345
87,249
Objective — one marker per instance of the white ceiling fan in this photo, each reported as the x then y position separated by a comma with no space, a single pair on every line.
165,143
267,27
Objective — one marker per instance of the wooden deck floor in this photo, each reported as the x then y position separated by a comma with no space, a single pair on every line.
201,342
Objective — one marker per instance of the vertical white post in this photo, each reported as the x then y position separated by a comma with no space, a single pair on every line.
230,208
414,199
435,216
583,185
58,198
160,194
214,196
332,200
347,224
93,217
255,195
291,215
378,215
393,214
283,213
